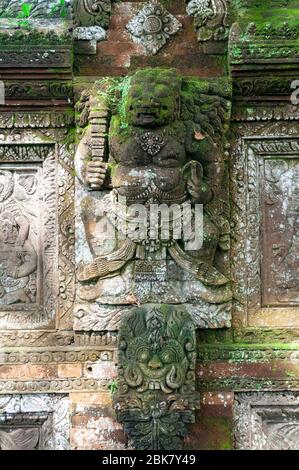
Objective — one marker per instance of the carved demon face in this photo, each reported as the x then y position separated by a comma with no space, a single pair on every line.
153,98
159,358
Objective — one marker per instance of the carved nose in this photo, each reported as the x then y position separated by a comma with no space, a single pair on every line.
155,362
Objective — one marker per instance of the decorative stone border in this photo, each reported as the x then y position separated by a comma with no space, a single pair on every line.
49,414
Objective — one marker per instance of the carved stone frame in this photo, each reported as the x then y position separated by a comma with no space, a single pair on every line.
253,411
57,160
41,315
49,412
253,144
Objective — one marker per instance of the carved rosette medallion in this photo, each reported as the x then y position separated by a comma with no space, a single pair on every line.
156,396
151,143
153,26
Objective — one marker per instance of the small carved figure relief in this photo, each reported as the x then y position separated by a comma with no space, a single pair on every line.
156,396
166,147
18,238
34,422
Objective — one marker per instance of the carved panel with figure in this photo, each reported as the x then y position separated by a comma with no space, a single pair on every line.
265,217
28,252
280,209
166,147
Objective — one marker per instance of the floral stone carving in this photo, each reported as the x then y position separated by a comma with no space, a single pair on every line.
28,253
153,26
91,19
34,422
266,421
163,149
210,18
92,13
156,396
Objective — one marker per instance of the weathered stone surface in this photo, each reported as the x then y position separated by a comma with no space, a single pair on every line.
93,33
28,258
114,273
155,136
210,18
266,421
260,242
153,26
156,394
90,13
34,422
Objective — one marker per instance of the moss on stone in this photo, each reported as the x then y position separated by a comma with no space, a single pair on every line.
218,433
22,37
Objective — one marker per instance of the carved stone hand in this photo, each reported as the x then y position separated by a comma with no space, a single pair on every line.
95,174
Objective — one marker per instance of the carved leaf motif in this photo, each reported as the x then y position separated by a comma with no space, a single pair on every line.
266,421
156,395
92,13
39,8
19,439
158,430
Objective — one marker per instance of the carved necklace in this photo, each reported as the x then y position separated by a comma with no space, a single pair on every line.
150,142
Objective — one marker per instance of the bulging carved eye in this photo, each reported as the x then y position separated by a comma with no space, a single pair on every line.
168,356
142,354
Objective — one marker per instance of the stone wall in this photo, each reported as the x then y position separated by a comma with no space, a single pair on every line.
69,308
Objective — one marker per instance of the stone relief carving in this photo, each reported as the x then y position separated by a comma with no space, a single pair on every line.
54,355
32,90
280,206
53,57
91,19
266,421
156,396
34,422
210,18
92,13
52,386
153,26
260,186
66,235
18,255
39,8
267,113
32,120
54,338
27,253
19,439
43,182
158,153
